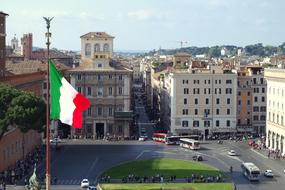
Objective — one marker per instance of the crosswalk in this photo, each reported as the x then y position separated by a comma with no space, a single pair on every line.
73,182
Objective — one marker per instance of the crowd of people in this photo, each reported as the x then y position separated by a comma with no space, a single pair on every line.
131,178
22,167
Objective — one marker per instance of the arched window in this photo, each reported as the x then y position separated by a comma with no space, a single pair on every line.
106,48
96,47
87,49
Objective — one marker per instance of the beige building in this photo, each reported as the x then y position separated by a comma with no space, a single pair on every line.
275,126
251,100
108,87
199,101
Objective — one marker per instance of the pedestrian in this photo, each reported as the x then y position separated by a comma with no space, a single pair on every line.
55,180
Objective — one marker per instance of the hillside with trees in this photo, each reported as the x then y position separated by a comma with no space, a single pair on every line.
231,50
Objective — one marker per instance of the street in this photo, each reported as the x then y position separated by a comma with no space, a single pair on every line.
78,159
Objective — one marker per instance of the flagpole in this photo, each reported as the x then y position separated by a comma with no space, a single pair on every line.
48,175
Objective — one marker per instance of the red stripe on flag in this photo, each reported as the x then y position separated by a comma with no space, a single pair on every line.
81,104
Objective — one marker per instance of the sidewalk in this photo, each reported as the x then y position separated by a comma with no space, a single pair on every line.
264,153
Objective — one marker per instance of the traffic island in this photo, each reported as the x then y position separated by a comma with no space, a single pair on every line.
165,173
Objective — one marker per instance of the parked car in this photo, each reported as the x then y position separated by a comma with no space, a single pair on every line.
55,140
268,173
232,153
92,188
84,183
142,138
197,158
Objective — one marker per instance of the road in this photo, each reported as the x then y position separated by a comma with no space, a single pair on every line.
80,159
145,127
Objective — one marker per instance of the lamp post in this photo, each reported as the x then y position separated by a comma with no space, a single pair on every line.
48,35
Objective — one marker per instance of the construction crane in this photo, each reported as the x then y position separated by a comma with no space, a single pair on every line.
182,43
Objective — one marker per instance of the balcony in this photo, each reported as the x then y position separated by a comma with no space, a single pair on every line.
124,115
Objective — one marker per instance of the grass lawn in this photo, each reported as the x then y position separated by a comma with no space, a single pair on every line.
168,186
163,166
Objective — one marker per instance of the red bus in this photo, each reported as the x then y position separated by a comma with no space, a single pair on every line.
159,137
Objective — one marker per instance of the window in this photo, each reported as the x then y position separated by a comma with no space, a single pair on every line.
228,90
89,91
195,123
217,101
205,90
186,90
261,80
185,111
228,111
120,90
255,99
106,47
217,111
97,48
184,123
79,77
217,123
255,109
248,93
89,111
248,102
206,123
79,89
228,123
110,91
239,93
228,101
239,102
99,65
263,108
99,111
263,99
282,121
99,91
255,117
99,77
196,101
185,100
185,82
120,77
262,118
209,81
196,111
88,49
263,90
207,100
110,77
254,80
110,111
228,81
206,112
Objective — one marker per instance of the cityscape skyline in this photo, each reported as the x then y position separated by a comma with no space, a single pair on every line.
158,24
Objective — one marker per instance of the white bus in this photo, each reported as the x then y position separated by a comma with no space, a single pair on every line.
251,171
190,143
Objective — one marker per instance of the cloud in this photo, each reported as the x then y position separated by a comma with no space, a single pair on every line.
140,14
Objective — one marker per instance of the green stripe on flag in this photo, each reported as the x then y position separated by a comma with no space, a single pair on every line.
55,84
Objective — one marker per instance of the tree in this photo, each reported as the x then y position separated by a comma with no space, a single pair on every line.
22,109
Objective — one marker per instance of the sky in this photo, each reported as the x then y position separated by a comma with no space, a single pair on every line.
149,24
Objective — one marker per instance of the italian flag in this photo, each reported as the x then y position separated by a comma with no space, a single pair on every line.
67,104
